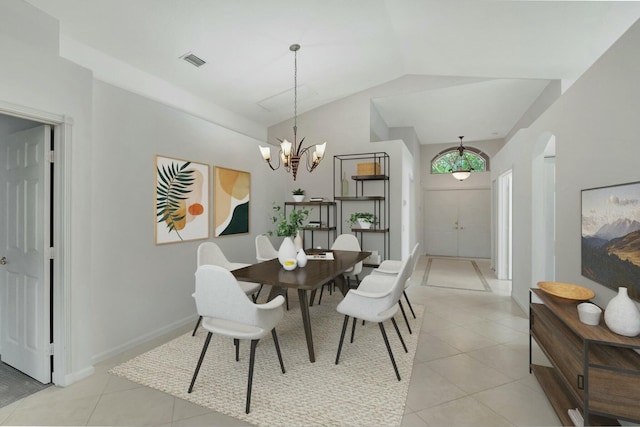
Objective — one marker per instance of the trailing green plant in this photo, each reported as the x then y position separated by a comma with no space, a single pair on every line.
173,186
362,216
287,227
298,192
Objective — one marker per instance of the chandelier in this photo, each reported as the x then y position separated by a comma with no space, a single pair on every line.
291,153
461,168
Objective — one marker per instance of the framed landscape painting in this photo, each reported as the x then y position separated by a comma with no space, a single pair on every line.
611,236
181,200
231,195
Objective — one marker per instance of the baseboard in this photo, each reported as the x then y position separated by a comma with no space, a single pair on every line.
67,380
97,358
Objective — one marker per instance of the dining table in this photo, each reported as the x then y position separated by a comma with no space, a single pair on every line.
323,266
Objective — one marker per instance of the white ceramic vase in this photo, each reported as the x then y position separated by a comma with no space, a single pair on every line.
298,197
301,258
622,315
287,251
297,241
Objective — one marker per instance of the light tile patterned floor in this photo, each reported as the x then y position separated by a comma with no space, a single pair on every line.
471,369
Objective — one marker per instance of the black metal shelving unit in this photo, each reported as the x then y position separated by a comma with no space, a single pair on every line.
371,192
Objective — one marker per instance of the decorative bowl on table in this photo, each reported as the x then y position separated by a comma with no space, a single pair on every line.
567,291
289,264
589,314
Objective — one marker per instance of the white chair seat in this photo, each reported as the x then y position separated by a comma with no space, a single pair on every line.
388,266
249,288
229,328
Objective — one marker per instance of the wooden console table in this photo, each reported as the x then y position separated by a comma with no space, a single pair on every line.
594,369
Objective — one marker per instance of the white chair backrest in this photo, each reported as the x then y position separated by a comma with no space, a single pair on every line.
401,279
264,249
348,242
210,253
218,295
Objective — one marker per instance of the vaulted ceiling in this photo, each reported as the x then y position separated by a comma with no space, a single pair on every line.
486,61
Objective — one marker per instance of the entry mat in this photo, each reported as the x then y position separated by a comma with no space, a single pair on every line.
14,385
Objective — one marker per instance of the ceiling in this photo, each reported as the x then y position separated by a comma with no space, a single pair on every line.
483,63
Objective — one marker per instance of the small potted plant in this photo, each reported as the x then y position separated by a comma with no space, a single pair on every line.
298,194
362,220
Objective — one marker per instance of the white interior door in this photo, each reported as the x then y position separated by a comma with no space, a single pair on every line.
458,223
24,274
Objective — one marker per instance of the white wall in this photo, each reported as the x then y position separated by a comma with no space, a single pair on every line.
150,286
596,127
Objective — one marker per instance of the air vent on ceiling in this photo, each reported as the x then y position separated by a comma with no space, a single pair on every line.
193,60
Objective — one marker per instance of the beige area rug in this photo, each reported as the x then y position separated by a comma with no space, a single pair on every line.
361,390
455,273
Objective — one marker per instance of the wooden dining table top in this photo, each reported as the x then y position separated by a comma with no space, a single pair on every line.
309,277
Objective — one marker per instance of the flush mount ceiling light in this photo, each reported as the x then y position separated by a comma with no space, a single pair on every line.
290,153
462,167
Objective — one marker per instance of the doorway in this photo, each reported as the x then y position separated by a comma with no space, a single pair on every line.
457,223
25,241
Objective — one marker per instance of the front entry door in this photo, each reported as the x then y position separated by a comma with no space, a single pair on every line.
458,223
24,235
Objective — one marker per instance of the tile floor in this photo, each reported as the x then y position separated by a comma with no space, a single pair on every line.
471,369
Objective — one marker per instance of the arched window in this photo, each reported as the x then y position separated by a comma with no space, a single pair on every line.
444,161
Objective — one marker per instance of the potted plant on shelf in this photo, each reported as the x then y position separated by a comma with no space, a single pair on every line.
362,220
298,194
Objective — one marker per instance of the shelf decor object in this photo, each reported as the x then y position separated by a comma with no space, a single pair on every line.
567,291
291,153
622,315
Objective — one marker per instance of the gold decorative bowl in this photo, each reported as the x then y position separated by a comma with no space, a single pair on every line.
567,290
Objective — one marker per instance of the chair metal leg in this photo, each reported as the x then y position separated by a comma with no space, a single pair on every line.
204,350
197,326
386,342
344,328
275,341
252,358
321,291
353,329
395,325
409,303
405,317
236,342
255,296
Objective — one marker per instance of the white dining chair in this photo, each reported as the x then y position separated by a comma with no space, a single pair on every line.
375,300
392,266
346,242
226,310
210,253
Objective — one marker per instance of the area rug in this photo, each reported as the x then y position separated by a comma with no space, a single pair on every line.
361,390
468,274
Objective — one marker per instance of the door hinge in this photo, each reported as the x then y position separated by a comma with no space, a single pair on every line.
51,156
52,253
51,349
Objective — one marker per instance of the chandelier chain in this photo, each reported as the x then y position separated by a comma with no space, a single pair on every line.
295,95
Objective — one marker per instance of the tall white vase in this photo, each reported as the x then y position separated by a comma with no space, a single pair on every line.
297,241
622,316
287,251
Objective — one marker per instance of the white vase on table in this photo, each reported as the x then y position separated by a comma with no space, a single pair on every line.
287,251
301,258
622,315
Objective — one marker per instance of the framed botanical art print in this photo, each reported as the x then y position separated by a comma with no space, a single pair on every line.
611,236
231,195
181,200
